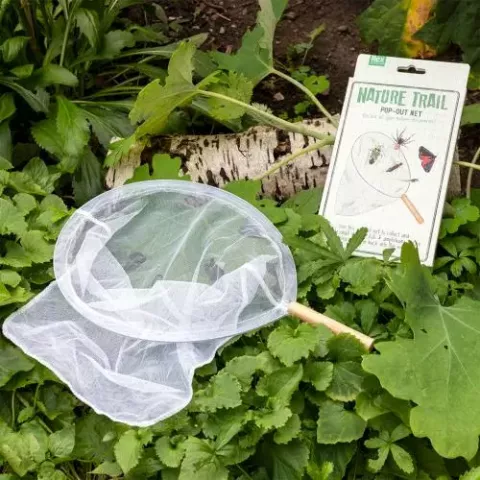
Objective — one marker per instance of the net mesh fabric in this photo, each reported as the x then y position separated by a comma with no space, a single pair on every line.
151,279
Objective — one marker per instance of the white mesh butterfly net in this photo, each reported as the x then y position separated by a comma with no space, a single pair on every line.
151,279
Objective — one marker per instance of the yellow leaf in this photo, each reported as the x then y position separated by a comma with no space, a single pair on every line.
418,14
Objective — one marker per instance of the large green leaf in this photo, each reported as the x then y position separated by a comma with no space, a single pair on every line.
439,369
393,23
7,106
337,425
12,361
156,102
254,59
285,462
72,127
455,22
87,180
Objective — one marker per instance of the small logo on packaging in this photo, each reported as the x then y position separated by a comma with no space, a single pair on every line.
377,60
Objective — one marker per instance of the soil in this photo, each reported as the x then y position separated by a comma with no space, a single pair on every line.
334,52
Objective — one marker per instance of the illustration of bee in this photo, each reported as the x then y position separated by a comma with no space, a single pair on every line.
374,154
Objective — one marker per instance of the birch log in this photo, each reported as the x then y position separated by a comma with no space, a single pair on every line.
219,159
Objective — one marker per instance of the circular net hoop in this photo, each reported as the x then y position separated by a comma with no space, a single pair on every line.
151,279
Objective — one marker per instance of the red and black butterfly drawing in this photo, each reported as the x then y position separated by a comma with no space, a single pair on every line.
427,158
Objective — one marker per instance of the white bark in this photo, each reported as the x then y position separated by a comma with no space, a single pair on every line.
219,159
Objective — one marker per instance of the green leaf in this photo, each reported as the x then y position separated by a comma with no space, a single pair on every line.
290,344
61,442
16,256
87,180
285,461
470,475
11,47
337,425
169,453
128,450
254,59
89,24
319,374
24,415
231,85
38,100
339,455
7,106
222,392
155,102
345,347
36,247
10,278
402,458
25,203
52,74
72,127
47,472
387,23
347,380
245,366
454,23
272,418
46,136
333,240
114,42
11,219
289,431
362,274
355,241
164,167
111,469
201,461
12,361
471,114
305,201
280,385
317,84
89,444
108,124
376,464
438,368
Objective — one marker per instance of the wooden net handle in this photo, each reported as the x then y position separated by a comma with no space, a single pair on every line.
311,316
412,208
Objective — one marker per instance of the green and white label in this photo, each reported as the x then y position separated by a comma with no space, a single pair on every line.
377,60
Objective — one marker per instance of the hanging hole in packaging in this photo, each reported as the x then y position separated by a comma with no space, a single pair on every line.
412,69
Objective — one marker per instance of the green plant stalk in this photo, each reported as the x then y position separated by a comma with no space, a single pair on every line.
294,156
467,165
309,94
269,117
468,186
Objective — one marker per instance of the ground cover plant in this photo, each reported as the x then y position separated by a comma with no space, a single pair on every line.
288,401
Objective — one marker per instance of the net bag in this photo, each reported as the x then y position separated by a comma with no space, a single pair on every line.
151,279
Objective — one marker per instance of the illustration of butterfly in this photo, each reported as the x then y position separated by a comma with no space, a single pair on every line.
427,158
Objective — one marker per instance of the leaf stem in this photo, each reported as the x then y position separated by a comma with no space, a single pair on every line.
269,118
467,165
468,186
298,153
13,409
40,421
307,92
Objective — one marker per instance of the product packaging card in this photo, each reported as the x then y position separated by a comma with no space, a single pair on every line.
394,151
